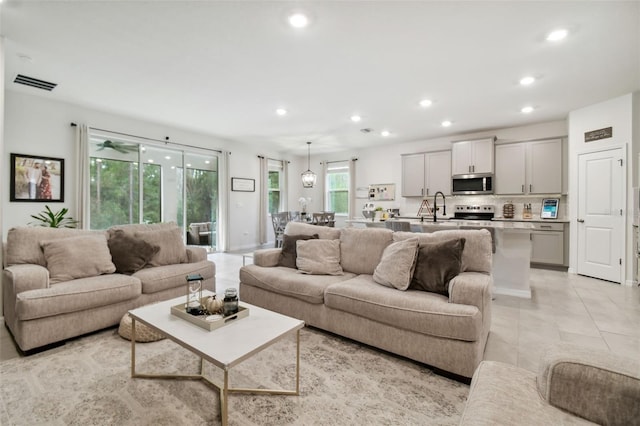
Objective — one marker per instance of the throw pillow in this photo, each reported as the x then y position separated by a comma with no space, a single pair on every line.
77,257
128,253
397,264
172,249
437,264
319,257
288,254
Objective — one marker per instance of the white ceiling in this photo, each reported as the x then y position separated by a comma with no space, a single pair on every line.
223,68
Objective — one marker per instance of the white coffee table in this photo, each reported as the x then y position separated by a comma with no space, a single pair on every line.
225,347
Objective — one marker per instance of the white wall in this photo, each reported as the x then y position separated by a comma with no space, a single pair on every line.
39,126
617,113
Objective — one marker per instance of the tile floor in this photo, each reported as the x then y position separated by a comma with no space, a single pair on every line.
563,307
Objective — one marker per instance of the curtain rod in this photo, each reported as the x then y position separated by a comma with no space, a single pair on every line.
166,141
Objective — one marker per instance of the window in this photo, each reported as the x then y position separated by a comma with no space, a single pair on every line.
275,185
338,187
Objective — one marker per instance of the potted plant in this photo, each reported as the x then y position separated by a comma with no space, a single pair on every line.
54,220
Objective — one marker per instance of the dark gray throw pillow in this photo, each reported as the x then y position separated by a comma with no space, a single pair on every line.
437,264
288,254
128,253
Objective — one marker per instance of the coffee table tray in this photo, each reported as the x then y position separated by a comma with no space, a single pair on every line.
180,311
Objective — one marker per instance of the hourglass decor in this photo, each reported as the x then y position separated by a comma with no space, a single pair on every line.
194,294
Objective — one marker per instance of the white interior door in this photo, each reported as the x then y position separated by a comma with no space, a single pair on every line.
600,219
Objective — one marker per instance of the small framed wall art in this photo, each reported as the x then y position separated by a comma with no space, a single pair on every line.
36,179
243,185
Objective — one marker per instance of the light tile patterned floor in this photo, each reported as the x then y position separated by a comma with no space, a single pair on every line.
563,307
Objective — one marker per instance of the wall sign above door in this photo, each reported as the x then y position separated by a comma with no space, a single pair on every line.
595,135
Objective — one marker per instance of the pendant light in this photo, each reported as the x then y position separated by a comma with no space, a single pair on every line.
308,177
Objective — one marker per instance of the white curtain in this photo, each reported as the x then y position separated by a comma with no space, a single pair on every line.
224,200
323,184
264,200
284,191
352,188
82,176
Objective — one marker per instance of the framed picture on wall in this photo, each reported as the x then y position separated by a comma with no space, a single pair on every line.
36,179
243,185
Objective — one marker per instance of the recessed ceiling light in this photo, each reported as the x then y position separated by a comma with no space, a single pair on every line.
188,164
385,133
150,160
527,109
355,118
446,123
525,81
425,103
298,20
207,161
281,111
557,35
167,157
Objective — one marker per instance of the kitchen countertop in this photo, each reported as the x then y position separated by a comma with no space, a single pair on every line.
453,224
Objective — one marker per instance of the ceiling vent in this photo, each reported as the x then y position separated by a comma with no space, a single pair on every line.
366,130
34,82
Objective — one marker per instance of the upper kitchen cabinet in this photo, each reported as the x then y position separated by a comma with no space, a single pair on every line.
529,167
473,156
426,173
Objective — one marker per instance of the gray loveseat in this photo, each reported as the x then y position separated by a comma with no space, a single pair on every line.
447,332
62,283
574,386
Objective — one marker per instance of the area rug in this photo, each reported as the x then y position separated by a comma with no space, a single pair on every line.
87,382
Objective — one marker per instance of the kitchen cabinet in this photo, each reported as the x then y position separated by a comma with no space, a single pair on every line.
473,156
548,243
529,167
426,173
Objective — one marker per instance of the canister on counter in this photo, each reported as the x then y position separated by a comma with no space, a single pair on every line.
508,210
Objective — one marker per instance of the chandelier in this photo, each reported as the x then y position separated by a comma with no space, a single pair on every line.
308,177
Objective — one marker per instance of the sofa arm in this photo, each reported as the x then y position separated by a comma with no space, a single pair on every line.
25,277
266,257
471,288
196,254
596,385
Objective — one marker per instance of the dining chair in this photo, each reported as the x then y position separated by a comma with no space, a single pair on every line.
318,219
279,221
330,219
294,216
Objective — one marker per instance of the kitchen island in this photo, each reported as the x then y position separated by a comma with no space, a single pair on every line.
511,258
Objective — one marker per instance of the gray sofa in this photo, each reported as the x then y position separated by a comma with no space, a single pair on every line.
62,283
574,386
446,332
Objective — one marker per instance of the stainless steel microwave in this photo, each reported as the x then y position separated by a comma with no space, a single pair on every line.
481,183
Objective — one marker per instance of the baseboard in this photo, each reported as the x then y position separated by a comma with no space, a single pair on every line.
525,294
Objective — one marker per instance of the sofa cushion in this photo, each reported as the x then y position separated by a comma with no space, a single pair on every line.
77,295
289,253
319,257
23,243
77,257
128,253
477,253
165,277
361,249
438,263
419,311
287,281
503,394
300,228
172,248
397,264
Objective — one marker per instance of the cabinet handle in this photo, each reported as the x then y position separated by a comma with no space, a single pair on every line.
473,168
530,187
545,226
427,191
523,188
422,191
580,220
469,167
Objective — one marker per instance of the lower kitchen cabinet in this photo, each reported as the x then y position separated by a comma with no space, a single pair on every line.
548,244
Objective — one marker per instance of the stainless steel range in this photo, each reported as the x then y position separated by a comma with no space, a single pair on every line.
474,212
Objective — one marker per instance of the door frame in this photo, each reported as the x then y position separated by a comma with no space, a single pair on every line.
573,217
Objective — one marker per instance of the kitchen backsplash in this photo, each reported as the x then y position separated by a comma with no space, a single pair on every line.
410,206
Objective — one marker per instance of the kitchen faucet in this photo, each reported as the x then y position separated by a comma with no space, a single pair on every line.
435,206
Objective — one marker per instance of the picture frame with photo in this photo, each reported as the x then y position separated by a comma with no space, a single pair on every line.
36,179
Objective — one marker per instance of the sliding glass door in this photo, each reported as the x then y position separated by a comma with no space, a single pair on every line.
122,192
